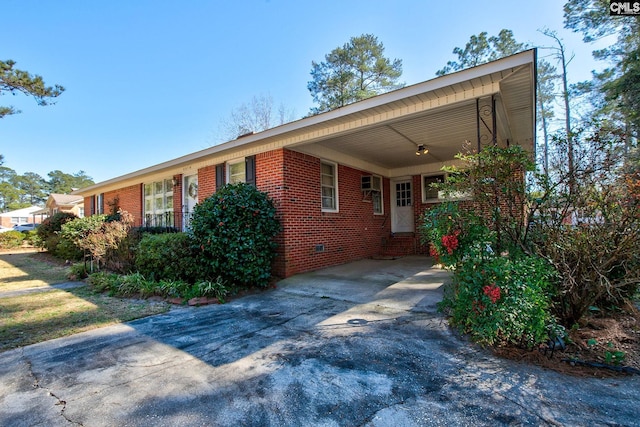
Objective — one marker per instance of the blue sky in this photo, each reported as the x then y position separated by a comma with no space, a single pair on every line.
150,80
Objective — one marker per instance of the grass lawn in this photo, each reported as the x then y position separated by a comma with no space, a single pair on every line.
40,316
21,270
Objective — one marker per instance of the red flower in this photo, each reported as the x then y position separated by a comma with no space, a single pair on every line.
434,253
450,242
492,291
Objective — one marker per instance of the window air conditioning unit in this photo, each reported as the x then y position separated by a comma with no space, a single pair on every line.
370,183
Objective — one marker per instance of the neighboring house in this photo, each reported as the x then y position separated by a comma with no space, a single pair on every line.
65,203
30,215
350,183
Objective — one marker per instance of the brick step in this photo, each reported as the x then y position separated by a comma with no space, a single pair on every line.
400,245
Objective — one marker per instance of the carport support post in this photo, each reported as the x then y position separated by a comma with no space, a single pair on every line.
488,109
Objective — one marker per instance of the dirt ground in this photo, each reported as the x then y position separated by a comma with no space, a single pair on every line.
600,347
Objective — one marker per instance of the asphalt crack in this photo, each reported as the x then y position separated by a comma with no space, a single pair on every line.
36,385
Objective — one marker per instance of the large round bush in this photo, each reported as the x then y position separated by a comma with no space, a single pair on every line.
233,231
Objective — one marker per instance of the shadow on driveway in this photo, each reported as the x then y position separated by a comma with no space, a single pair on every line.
359,344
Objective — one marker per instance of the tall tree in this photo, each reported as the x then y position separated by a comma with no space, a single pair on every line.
353,72
570,140
618,84
13,80
545,98
64,183
32,186
9,195
257,115
481,49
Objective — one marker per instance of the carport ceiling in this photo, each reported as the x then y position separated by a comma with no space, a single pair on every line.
393,145
443,118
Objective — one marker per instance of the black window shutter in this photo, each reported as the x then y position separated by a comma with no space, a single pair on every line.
219,176
93,205
250,170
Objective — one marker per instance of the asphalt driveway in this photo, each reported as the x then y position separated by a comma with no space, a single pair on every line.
355,345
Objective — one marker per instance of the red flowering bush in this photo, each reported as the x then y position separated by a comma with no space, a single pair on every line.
450,242
500,300
453,235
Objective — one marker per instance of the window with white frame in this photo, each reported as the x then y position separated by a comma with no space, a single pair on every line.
376,195
429,193
100,203
80,211
329,186
158,203
236,171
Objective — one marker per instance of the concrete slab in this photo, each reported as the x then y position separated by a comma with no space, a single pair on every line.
355,345
38,289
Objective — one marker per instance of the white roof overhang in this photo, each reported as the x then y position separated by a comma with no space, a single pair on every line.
381,134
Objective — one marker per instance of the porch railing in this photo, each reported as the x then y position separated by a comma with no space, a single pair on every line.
178,221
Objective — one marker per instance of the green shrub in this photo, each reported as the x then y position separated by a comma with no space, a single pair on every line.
11,239
500,300
31,237
454,234
122,258
66,249
137,285
48,230
174,289
132,284
104,282
166,257
215,289
234,232
78,271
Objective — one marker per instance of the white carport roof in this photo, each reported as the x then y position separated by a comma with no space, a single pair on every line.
381,134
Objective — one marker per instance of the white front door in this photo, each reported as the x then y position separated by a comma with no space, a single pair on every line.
190,197
402,207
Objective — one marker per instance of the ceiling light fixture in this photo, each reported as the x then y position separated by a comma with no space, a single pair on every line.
422,149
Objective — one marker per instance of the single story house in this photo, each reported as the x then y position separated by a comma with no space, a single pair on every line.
30,215
68,203
350,183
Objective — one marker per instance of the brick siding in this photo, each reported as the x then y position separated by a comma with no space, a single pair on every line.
313,239
206,182
129,199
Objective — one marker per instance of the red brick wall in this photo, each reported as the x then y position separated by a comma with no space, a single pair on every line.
352,233
129,199
292,180
270,178
206,182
